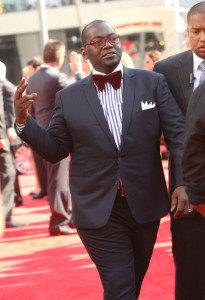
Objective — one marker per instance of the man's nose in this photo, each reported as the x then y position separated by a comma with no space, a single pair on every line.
107,43
203,35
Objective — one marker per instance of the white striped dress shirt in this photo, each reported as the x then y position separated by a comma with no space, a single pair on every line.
111,102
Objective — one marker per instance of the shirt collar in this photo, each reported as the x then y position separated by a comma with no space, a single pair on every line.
118,68
197,61
48,66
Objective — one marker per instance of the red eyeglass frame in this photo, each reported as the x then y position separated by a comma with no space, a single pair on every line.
105,40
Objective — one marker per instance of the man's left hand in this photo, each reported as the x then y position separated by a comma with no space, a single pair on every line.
180,203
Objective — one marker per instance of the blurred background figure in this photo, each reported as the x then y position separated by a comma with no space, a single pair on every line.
2,219
79,65
46,82
25,72
8,99
127,60
35,159
151,58
33,65
7,167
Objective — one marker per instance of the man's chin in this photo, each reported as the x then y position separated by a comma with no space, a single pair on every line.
201,54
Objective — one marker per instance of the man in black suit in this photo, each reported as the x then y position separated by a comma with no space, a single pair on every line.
7,168
194,151
8,98
46,82
182,72
112,131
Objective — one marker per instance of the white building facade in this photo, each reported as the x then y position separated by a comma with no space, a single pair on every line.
142,25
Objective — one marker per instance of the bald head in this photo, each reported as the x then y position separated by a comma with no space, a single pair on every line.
85,29
196,9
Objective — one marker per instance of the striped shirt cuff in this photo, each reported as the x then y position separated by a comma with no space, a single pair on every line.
19,127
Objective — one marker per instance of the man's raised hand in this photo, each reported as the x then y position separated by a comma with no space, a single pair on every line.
23,102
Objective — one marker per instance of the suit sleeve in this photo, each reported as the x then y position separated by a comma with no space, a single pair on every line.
53,144
173,126
64,81
194,152
8,98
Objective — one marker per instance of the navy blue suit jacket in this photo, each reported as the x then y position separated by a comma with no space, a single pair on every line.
78,127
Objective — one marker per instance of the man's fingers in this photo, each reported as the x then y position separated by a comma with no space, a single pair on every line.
23,102
184,208
179,212
174,203
177,206
187,208
180,203
20,89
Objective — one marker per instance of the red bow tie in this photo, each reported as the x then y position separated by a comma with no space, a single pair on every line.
113,78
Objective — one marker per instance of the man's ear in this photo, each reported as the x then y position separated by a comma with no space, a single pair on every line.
83,53
60,61
187,31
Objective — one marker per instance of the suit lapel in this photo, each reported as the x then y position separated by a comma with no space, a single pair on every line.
185,68
128,99
94,102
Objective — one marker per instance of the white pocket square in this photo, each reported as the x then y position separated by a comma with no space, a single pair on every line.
147,105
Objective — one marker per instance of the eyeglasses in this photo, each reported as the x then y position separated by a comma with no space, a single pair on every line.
100,43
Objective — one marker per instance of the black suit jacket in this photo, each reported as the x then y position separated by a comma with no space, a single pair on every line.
194,154
177,70
78,126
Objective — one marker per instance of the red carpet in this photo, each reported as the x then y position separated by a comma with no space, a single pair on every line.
35,266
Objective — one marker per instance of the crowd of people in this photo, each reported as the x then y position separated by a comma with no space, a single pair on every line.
110,119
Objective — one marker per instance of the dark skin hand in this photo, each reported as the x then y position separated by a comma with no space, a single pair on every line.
22,103
180,203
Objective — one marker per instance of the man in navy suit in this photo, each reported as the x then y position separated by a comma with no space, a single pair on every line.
112,131
183,72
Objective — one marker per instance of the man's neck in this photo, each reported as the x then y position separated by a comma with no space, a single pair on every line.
119,67
53,65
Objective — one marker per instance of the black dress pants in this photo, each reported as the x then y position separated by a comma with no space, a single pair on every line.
188,247
121,251
41,171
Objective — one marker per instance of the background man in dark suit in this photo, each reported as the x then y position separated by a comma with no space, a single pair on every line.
8,98
33,65
194,152
7,168
112,131
2,217
182,72
46,82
